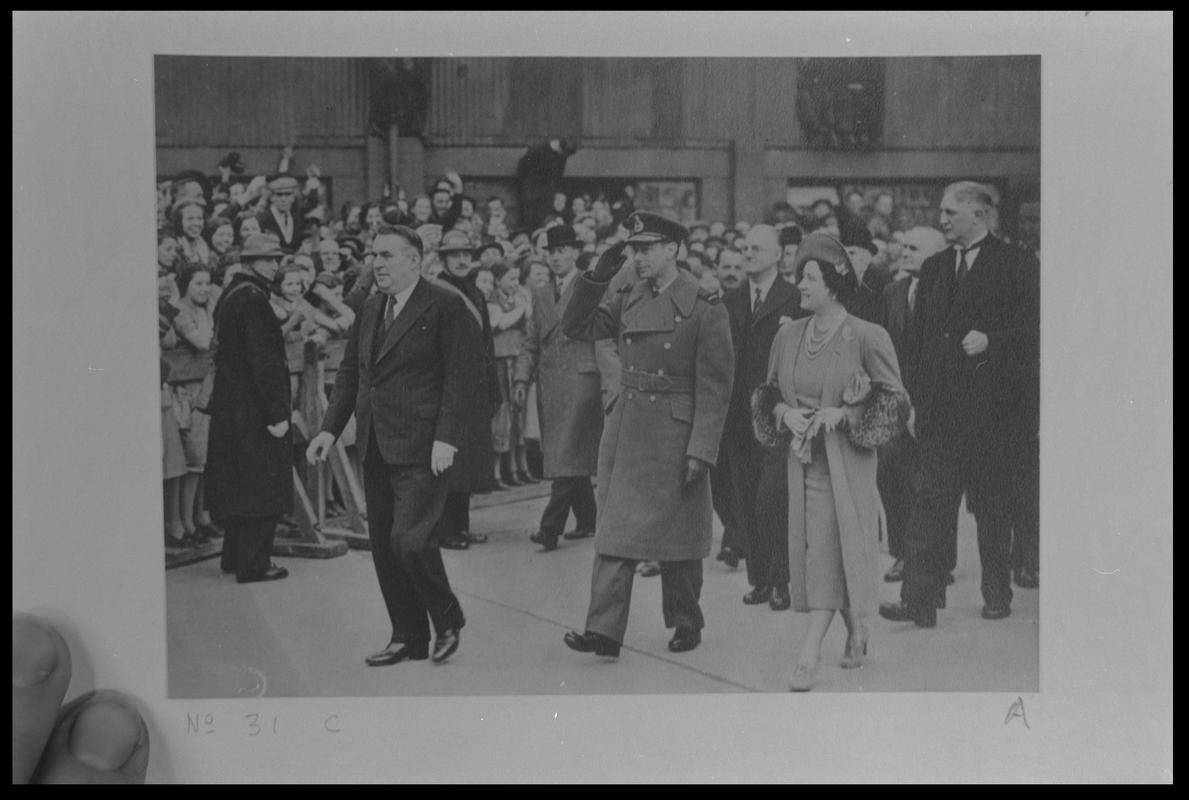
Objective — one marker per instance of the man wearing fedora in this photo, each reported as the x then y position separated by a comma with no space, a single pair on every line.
281,219
661,438
472,466
406,375
569,397
249,481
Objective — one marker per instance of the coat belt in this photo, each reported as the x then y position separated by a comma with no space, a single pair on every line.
661,384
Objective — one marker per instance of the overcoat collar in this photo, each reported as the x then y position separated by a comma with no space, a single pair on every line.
780,293
988,250
643,312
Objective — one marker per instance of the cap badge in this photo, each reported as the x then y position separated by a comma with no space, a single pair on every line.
639,226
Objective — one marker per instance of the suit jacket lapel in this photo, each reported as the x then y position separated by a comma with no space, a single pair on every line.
372,307
778,295
418,301
552,311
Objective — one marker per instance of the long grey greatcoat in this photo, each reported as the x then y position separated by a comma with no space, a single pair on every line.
249,472
680,333
857,345
569,387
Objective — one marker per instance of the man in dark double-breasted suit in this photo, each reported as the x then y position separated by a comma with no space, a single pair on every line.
757,309
979,308
406,374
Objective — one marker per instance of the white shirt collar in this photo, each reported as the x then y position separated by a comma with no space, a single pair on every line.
400,298
668,283
764,286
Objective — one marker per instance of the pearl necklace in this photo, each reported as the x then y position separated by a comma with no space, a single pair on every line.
816,342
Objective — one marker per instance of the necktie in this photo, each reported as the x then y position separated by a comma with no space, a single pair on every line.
390,315
556,291
912,296
963,268
755,304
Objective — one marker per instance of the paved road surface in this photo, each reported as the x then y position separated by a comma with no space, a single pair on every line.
308,635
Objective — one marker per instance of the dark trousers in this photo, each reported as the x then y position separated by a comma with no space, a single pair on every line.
611,595
574,493
247,545
455,517
952,464
896,477
1025,546
404,503
722,496
759,478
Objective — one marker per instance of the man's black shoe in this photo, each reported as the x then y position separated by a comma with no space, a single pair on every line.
996,612
273,573
577,533
729,556
685,639
760,594
923,616
397,652
445,645
548,542
780,598
895,573
455,544
591,642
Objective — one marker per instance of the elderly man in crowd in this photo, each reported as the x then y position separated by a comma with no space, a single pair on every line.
978,307
663,435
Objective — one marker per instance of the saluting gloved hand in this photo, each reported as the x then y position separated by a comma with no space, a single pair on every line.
695,470
608,264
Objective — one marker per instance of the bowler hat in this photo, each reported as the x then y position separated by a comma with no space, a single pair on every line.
645,227
261,245
481,249
820,246
282,183
560,235
455,242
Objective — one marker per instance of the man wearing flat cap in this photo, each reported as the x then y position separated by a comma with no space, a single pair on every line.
406,375
249,481
663,435
281,219
569,395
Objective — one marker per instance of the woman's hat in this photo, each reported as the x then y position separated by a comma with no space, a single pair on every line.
261,245
820,246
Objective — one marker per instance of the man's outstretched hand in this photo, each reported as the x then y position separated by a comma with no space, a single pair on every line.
99,737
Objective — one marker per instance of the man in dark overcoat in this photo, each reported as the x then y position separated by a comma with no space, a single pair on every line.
979,310
570,401
406,374
759,478
249,481
663,435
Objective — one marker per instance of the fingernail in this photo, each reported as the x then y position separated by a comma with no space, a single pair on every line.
34,651
105,734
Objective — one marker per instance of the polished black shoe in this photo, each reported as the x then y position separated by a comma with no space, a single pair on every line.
577,533
760,594
445,645
474,538
923,616
1027,578
548,542
397,652
684,640
273,573
729,556
896,573
591,642
455,543
996,612
649,569
781,600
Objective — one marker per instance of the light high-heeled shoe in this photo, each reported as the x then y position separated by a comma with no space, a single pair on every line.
856,649
803,676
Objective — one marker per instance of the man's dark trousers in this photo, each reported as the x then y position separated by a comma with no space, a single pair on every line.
565,494
247,545
760,480
404,502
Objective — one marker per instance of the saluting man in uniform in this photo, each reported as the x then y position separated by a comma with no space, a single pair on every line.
662,437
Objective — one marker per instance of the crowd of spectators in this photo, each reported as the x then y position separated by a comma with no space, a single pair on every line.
203,221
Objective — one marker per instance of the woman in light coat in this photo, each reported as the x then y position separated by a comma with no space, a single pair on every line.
838,378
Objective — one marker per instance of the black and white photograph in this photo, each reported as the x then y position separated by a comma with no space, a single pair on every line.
677,384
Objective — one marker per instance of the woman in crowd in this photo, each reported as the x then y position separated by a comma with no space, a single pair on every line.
195,327
167,250
508,308
173,465
189,221
328,289
220,238
824,372
421,210
373,218
246,225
